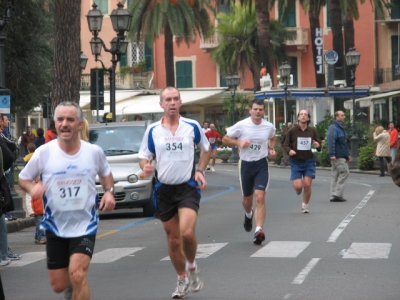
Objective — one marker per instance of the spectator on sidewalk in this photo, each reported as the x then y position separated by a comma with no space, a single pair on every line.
51,132
28,137
39,140
393,139
382,138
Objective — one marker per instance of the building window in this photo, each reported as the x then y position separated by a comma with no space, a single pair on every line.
140,52
395,10
102,5
184,78
291,18
328,15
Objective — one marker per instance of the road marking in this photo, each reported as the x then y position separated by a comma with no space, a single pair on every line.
28,258
113,254
304,273
335,234
205,250
368,251
99,236
281,249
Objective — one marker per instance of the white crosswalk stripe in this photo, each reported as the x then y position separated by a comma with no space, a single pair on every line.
281,249
113,254
28,258
205,250
368,251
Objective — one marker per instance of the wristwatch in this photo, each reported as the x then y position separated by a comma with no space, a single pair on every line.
111,190
201,171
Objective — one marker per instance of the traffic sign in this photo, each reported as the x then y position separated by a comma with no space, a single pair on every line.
331,57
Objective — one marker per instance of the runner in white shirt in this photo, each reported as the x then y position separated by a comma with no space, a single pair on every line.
68,168
177,194
256,140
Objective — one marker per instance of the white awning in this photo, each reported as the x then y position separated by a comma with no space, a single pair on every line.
120,95
367,101
151,103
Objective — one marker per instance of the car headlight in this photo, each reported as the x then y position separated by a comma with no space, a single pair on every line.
133,178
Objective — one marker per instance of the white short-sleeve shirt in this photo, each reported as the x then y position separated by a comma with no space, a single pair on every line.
70,200
258,135
174,153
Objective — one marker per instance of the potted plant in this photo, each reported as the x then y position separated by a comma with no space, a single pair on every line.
140,66
224,153
124,70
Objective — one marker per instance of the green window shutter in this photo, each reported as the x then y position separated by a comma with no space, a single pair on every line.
222,80
395,54
184,74
124,60
293,71
328,17
291,18
148,57
102,5
395,11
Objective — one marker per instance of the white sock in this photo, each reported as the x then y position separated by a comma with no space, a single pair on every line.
249,215
258,228
192,265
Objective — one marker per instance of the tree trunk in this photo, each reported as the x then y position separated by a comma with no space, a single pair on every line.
263,33
314,24
169,56
67,49
337,36
348,39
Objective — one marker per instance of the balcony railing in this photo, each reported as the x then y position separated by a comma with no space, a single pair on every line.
299,36
385,75
129,81
209,43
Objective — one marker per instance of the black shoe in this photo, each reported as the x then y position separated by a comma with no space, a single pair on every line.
248,222
337,199
381,175
259,237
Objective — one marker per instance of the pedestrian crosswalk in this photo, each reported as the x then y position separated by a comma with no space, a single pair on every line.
273,249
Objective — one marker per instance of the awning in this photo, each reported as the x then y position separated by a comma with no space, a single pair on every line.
151,103
312,93
367,101
120,95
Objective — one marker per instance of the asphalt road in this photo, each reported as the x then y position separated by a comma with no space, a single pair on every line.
346,250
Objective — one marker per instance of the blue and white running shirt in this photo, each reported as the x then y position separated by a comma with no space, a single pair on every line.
71,200
174,153
258,135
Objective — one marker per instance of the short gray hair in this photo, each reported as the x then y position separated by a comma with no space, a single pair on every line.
70,103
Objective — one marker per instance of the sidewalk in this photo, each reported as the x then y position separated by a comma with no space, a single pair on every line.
22,223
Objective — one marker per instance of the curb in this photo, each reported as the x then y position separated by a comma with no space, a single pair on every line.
19,224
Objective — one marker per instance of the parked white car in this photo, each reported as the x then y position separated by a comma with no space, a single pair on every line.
120,142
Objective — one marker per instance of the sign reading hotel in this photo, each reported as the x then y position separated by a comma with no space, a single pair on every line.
319,45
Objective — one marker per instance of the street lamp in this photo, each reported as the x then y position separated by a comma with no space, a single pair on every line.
121,22
284,74
352,61
83,61
233,81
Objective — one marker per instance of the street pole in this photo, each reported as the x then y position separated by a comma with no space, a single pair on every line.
354,138
112,87
234,158
284,103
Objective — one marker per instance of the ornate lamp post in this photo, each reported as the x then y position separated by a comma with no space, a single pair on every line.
121,22
284,74
83,61
352,61
233,81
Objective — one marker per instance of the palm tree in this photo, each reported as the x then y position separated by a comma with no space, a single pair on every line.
238,40
179,18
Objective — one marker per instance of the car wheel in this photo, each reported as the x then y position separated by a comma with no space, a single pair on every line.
148,209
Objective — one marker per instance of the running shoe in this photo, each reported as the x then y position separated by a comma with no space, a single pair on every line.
208,168
182,289
212,169
68,292
4,263
248,222
304,208
259,237
195,282
13,256
298,192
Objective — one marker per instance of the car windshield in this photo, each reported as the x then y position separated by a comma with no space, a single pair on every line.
118,140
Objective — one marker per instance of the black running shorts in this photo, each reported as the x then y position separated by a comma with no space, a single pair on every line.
60,249
172,197
254,175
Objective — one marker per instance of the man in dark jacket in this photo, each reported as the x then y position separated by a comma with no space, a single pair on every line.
339,153
39,140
